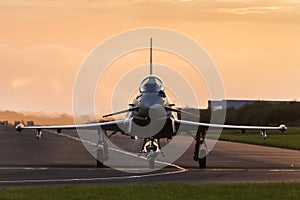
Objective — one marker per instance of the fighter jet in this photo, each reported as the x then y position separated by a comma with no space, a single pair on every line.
151,111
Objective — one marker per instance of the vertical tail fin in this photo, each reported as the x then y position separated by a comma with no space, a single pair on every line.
151,72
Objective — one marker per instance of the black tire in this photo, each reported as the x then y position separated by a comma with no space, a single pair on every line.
100,158
202,161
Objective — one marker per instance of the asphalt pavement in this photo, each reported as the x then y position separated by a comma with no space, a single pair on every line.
63,159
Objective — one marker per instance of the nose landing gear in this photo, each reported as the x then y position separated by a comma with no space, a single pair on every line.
152,148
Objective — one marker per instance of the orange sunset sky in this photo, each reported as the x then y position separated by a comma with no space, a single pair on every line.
255,45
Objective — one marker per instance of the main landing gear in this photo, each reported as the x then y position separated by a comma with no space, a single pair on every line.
102,148
200,150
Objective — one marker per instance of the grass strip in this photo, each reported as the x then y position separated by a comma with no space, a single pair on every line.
274,140
158,191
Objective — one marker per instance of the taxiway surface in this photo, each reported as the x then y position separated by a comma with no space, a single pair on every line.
62,159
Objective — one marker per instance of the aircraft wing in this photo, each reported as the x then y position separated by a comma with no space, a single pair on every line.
111,125
194,125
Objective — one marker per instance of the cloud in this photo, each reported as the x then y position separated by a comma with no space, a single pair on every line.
18,83
56,85
54,52
32,77
248,10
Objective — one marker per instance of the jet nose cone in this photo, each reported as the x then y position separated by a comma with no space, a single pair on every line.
157,111
144,111
151,103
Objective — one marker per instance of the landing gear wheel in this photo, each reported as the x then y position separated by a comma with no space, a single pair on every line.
100,157
202,160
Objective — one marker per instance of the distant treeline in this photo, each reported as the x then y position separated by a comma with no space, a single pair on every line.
12,118
258,113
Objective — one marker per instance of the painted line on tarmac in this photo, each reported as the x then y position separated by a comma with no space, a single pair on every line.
23,168
88,179
284,170
181,169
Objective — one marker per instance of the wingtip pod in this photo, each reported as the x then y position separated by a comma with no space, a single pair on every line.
282,128
20,127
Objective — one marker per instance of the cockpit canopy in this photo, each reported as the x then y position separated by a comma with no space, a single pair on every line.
151,84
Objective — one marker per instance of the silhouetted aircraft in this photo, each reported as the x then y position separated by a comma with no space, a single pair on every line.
151,111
